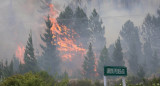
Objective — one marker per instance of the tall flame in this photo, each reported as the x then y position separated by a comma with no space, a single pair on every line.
20,53
65,38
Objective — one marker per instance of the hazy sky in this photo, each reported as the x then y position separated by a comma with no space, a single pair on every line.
17,17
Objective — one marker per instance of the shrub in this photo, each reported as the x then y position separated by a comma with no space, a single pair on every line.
31,79
27,79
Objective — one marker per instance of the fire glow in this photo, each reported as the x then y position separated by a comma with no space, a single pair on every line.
65,38
20,53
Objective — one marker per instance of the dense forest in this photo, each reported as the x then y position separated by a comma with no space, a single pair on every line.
74,52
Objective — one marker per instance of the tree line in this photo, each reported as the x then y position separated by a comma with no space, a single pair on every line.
127,48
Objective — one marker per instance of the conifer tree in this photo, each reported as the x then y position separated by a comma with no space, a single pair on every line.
29,58
154,63
89,63
118,54
97,31
50,59
81,26
130,35
15,64
104,60
10,69
66,17
6,69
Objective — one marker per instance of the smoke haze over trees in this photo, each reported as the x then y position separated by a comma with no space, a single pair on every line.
96,24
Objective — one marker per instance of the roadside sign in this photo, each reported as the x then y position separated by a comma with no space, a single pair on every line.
115,71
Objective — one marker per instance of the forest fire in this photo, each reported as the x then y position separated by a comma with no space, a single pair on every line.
95,66
65,38
20,53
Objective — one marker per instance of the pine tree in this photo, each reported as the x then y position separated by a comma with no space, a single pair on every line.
81,22
11,72
29,58
118,54
89,63
154,63
104,60
130,35
81,26
66,18
15,64
151,29
97,30
1,70
147,55
6,69
50,59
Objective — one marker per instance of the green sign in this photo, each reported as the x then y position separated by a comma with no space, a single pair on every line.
115,71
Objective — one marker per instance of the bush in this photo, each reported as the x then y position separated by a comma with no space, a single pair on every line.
30,79
27,79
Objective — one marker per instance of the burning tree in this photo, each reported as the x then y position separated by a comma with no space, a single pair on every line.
89,63
50,59
30,62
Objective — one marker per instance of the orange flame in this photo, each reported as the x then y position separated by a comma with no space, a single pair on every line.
20,54
65,38
95,66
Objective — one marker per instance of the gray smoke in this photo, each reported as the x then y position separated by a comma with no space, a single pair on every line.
17,17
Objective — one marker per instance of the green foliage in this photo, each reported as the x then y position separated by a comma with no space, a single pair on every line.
29,58
6,69
104,60
117,54
33,79
50,60
27,79
89,63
